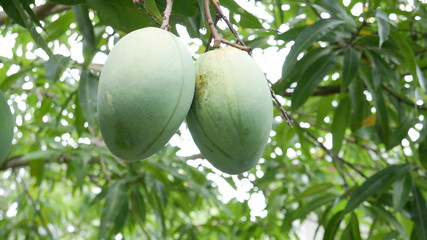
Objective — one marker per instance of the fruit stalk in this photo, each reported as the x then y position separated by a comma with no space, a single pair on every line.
166,15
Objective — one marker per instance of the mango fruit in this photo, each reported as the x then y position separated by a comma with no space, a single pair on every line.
145,91
231,116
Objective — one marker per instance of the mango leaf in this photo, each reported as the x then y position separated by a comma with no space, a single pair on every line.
333,225
383,26
381,212
121,15
358,102
336,11
307,37
308,207
88,90
12,12
314,190
6,128
410,63
422,152
115,210
57,28
419,210
309,58
340,123
291,34
402,130
81,13
37,155
247,20
311,78
152,7
32,29
401,190
12,79
382,124
138,204
54,67
375,184
352,230
350,67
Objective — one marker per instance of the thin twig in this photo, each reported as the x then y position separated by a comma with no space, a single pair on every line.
166,15
215,35
279,105
355,34
404,100
144,3
230,26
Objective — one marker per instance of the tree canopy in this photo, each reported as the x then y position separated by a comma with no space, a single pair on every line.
352,162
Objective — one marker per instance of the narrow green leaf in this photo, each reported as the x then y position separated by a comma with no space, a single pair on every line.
36,155
116,203
311,78
352,231
410,63
308,207
247,20
350,67
383,26
88,90
381,212
12,12
138,204
54,67
6,128
81,14
340,123
375,184
152,7
401,190
333,226
12,79
402,130
419,213
310,57
307,37
314,190
422,153
32,29
382,124
358,103
422,80
336,10
127,16
292,34
59,27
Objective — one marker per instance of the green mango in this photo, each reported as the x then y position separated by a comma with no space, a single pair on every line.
231,116
145,91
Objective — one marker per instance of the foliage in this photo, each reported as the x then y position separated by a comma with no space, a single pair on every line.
354,162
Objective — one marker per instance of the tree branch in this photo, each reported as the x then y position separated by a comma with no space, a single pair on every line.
41,11
404,100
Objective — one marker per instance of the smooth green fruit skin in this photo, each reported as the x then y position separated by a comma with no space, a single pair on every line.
145,91
232,113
